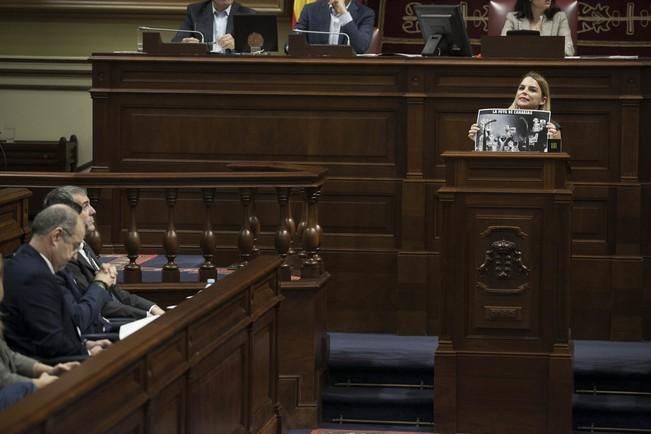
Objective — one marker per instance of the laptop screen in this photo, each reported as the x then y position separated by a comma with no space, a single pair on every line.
255,32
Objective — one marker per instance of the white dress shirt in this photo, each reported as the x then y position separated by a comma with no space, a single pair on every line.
336,23
219,27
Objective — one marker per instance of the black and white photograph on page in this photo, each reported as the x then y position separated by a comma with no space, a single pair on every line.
512,130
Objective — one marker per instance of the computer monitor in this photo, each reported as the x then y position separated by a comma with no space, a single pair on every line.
443,30
254,32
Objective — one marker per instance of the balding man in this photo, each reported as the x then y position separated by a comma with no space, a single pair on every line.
38,320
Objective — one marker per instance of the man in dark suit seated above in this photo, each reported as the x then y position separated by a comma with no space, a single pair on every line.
333,17
38,321
83,269
214,19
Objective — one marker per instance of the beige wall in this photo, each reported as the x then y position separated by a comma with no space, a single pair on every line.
45,76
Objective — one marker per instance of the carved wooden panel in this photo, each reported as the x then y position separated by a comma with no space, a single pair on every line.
505,287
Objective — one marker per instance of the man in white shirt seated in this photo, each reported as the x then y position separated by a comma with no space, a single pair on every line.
333,19
214,20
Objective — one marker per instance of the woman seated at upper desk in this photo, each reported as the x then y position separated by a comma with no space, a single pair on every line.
532,94
543,16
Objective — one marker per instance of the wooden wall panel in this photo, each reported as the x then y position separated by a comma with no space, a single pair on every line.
167,411
593,220
361,292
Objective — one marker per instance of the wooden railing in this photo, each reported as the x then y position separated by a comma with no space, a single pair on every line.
247,178
208,366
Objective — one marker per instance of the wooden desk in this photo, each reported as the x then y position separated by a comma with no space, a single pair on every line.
380,125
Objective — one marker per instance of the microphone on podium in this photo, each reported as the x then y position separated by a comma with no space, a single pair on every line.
318,32
161,29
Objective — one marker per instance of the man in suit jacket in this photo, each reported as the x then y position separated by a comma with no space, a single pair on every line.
38,321
80,273
338,16
214,19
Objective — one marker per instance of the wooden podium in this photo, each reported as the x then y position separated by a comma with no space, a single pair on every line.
504,361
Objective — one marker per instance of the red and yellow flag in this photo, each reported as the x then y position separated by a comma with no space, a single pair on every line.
298,7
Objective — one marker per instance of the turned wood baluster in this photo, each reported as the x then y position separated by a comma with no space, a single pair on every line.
208,242
94,239
311,235
245,240
171,272
286,228
132,271
254,223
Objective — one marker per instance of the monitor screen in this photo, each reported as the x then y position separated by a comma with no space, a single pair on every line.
255,32
443,30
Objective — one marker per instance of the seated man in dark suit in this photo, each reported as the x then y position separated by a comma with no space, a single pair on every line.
334,17
38,321
83,270
214,19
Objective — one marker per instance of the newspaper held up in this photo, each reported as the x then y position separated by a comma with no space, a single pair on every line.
512,130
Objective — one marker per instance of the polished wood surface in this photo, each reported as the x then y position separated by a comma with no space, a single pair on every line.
380,125
504,362
208,366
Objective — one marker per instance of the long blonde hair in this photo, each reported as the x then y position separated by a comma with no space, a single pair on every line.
544,90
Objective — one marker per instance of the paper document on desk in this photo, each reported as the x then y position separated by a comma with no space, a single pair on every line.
134,326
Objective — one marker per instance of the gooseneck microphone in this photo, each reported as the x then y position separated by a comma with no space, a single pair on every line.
161,29
318,32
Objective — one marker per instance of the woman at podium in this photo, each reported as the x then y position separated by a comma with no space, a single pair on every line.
532,94
542,16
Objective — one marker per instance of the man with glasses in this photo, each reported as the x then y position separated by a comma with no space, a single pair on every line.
38,320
